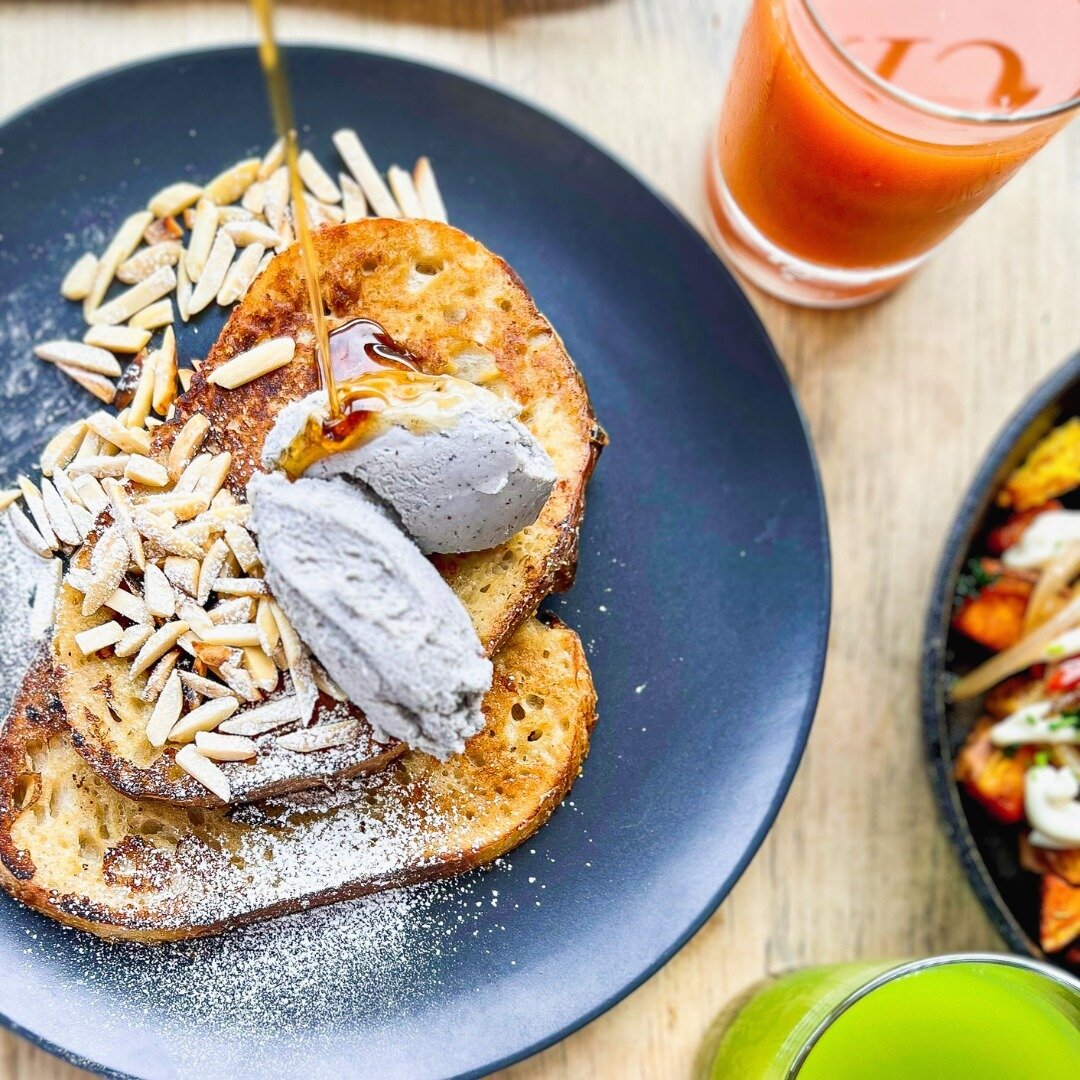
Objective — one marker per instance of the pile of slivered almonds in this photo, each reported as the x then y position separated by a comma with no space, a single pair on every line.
174,561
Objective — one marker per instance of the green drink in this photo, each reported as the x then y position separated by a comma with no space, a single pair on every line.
954,1018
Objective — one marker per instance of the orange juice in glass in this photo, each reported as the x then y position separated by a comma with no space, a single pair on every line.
857,134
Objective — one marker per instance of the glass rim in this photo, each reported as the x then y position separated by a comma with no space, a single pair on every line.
925,105
1054,974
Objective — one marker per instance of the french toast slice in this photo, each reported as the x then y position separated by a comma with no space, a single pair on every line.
78,851
460,310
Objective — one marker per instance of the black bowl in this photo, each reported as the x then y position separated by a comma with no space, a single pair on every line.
988,849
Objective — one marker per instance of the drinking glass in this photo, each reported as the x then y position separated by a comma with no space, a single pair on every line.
965,1017
856,135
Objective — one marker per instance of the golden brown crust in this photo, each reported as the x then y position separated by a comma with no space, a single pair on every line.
83,854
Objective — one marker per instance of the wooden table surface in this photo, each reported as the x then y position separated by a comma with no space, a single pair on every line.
902,398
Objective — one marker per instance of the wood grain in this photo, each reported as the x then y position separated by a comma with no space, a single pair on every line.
902,399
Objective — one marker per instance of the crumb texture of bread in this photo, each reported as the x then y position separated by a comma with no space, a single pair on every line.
75,849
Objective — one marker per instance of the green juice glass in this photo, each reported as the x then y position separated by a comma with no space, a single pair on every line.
974,1016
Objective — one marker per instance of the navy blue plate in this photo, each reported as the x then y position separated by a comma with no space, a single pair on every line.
703,591
987,848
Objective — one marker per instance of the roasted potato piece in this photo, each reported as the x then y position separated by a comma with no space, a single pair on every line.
993,776
994,616
1051,469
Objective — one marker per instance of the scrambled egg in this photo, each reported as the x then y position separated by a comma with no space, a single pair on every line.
1051,469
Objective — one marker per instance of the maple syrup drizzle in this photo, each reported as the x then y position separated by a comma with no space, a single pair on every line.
368,366
277,84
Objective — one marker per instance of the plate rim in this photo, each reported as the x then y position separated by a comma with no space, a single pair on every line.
965,520
824,605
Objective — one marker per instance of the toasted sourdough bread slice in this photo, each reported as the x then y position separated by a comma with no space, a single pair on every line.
77,850
459,309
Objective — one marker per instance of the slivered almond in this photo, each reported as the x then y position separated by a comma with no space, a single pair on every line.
316,178
79,355
182,507
47,588
59,515
27,534
159,675
166,712
204,718
130,606
100,467
427,188
240,681
263,670
165,373
276,199
258,721
158,644
254,199
183,289
268,628
34,503
158,592
130,440
174,198
186,444
79,280
8,497
247,586
299,664
360,165
159,229
91,446
322,737
207,688
201,239
325,683
183,573
229,185
203,770
246,233
213,273
213,475
184,375
134,300
109,563
92,494
263,358
243,547
264,262
288,237
62,447
99,385
146,471
154,316
68,492
135,637
320,213
224,747
165,536
194,615
401,184
141,400
122,516
99,637
235,636
233,612
117,339
123,243
272,160
352,198
148,259
192,472
211,567
227,215
240,275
